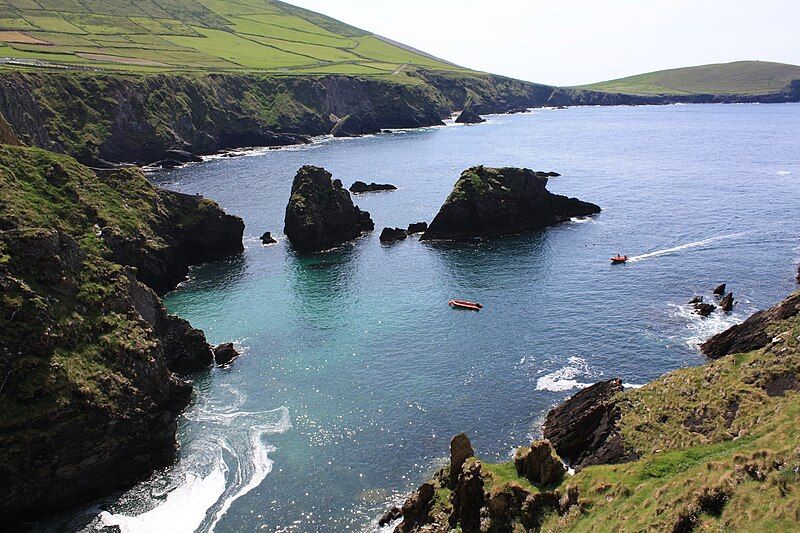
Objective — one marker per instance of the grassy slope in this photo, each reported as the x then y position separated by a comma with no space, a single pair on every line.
741,77
718,452
203,35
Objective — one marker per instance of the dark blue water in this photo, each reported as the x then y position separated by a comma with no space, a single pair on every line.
356,373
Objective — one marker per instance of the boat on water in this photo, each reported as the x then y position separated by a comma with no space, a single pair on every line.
619,259
464,304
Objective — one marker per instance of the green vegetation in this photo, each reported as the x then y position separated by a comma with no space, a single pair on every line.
719,445
195,35
738,78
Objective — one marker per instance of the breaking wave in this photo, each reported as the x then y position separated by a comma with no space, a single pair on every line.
226,457
565,378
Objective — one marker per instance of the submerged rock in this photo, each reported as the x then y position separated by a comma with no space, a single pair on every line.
487,202
393,234
583,429
419,227
696,300
321,214
360,187
753,333
355,125
225,353
469,116
539,464
267,238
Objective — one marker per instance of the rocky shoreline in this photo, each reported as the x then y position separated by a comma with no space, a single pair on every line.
168,120
91,359
633,438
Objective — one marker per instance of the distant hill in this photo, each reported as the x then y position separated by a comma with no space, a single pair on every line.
739,78
202,35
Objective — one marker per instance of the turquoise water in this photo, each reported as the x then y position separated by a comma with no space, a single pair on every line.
355,372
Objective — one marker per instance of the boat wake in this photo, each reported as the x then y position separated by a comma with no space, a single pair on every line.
682,247
226,457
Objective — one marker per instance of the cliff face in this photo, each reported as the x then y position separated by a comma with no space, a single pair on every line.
88,398
488,202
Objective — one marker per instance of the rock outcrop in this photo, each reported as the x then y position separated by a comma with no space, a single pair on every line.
393,235
727,302
360,187
356,125
469,116
539,464
224,354
488,202
704,309
721,289
321,214
268,239
460,451
583,430
753,333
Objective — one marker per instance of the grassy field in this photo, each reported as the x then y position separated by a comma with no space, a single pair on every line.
741,77
194,35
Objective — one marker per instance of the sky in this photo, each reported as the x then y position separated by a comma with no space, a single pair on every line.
571,42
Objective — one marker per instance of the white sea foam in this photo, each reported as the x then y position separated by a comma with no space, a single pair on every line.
225,459
683,247
784,173
699,329
565,378
581,220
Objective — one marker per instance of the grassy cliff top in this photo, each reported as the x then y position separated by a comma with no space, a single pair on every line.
740,77
203,35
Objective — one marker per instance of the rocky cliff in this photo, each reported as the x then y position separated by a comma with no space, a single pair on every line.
320,214
704,448
488,202
88,397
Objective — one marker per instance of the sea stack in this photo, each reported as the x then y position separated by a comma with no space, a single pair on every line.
489,202
469,116
321,214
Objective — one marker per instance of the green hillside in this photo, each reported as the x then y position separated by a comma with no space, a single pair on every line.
740,77
204,35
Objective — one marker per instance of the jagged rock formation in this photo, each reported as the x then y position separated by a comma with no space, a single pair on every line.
488,202
360,187
268,239
753,333
583,430
704,309
727,302
89,398
321,214
469,116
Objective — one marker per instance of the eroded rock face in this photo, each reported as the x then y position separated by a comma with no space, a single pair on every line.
488,202
752,333
583,429
416,509
321,214
417,227
539,464
468,498
355,125
77,428
727,302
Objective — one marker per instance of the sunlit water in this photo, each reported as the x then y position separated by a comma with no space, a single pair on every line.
356,373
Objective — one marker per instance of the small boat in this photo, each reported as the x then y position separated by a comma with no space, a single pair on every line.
619,259
464,304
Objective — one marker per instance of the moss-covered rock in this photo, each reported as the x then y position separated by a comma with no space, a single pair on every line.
321,214
488,202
